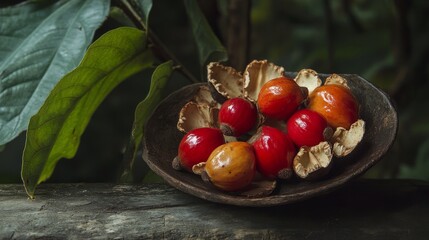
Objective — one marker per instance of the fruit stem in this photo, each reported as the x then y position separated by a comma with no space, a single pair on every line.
327,133
304,91
226,130
285,173
205,177
176,164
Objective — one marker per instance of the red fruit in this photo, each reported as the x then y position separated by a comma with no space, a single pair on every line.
307,128
274,152
237,116
279,98
196,146
336,104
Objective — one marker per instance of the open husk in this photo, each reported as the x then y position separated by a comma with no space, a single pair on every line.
336,79
194,115
201,111
204,96
313,162
257,73
345,141
309,79
225,81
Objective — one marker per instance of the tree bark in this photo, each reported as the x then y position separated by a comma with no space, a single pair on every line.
238,33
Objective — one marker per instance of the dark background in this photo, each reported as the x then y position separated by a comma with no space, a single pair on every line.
384,41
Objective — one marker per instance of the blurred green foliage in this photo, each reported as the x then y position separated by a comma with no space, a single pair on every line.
384,41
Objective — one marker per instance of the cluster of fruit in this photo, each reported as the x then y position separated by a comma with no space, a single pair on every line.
278,127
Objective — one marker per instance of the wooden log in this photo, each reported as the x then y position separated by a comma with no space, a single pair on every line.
364,209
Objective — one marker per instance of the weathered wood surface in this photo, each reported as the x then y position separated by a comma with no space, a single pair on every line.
364,209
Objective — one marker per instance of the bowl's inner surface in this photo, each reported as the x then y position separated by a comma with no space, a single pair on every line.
161,140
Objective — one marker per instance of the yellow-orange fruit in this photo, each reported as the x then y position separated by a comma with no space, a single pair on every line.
279,98
231,166
336,104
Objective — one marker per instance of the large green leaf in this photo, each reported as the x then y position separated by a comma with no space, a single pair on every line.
55,131
143,111
209,46
39,43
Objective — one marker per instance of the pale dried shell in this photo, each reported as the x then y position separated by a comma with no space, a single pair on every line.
205,97
194,115
312,162
336,79
225,80
199,168
308,78
257,73
201,111
345,140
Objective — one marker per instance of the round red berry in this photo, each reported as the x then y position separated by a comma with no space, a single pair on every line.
307,128
274,152
197,145
237,116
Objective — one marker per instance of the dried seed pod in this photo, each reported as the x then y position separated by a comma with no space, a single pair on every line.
204,97
313,162
193,116
309,79
345,141
199,168
257,73
201,111
226,82
336,79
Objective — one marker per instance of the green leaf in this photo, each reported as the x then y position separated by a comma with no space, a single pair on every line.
140,7
209,46
39,43
143,111
55,131
146,7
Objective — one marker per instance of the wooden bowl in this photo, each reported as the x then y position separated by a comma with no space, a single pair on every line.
161,140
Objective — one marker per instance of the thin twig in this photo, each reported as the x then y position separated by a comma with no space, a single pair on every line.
158,46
